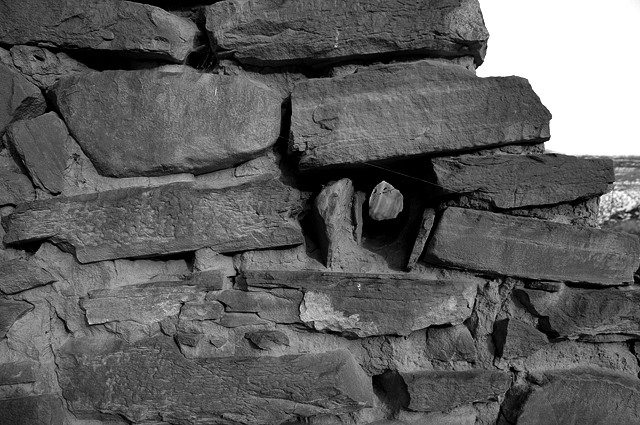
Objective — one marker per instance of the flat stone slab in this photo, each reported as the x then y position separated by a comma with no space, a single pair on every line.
117,26
532,248
514,181
40,142
17,275
583,396
168,219
441,390
157,122
109,377
410,109
364,304
575,312
17,373
19,99
301,31
37,410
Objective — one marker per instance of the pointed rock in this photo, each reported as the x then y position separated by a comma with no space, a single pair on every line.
451,343
40,142
514,181
19,99
428,217
168,219
157,122
514,339
517,246
10,311
410,109
98,378
372,304
300,31
103,25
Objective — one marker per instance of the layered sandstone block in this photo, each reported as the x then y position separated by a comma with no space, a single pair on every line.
168,219
532,248
403,110
155,122
300,31
106,25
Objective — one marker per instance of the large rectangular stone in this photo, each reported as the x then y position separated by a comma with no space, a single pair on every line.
17,373
152,379
168,219
410,109
531,248
37,410
514,181
104,25
364,304
312,31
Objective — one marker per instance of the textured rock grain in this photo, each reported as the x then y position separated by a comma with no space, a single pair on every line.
19,99
404,110
157,122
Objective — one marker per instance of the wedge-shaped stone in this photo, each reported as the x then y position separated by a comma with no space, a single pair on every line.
40,142
168,219
17,373
301,31
405,110
150,122
372,304
10,311
37,410
513,181
532,248
19,99
579,312
17,275
145,303
110,377
107,25
583,396
513,338
443,390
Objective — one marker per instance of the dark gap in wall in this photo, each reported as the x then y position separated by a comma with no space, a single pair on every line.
392,392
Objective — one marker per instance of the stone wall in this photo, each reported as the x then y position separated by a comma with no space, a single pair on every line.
288,212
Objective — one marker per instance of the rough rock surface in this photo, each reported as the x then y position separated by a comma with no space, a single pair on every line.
40,142
117,26
36,410
369,304
569,397
15,189
10,311
517,246
442,390
169,219
513,181
19,99
113,378
17,275
400,110
385,202
302,31
17,373
450,343
514,339
580,312
428,217
156,122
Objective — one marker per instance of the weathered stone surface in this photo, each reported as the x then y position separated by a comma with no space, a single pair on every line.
117,26
428,217
201,311
442,390
266,340
575,312
369,304
172,218
36,410
514,339
17,275
321,31
19,99
10,311
15,189
17,373
513,181
583,396
518,246
279,306
156,122
385,202
405,110
334,225
113,378
451,343
40,142
43,67
145,303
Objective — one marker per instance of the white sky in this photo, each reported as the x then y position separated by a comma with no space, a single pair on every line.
582,58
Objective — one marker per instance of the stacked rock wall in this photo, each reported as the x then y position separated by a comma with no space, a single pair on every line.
196,228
